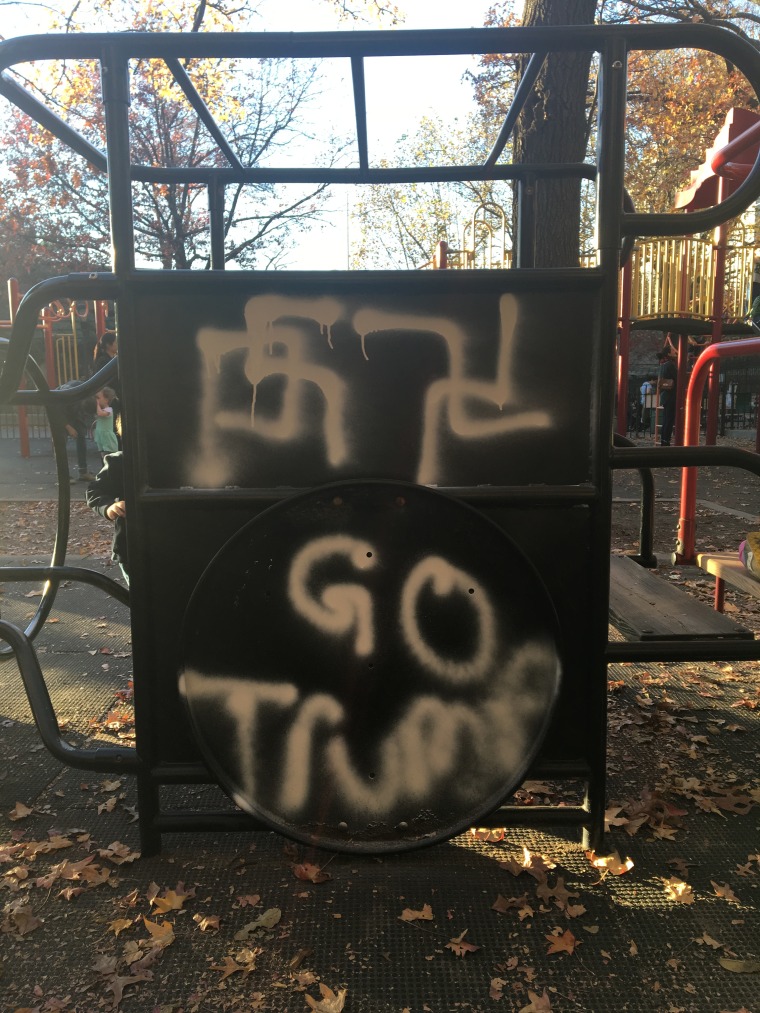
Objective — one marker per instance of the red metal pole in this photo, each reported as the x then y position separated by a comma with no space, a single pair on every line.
685,546
681,382
624,350
713,390
722,163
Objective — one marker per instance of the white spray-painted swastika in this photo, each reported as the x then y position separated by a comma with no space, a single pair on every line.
281,343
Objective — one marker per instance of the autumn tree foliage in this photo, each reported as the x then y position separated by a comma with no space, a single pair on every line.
56,206
678,102
740,16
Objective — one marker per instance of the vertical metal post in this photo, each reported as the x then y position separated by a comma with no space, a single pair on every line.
115,83
610,189
625,349
525,221
100,318
681,385
216,221
713,385
47,333
709,359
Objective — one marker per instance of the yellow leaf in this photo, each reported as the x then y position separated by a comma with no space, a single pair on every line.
266,921
170,901
69,892
612,863
677,890
163,933
118,853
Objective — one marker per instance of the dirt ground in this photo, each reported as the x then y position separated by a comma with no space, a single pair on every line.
28,529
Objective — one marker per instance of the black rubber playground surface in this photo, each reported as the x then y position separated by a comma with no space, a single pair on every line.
253,922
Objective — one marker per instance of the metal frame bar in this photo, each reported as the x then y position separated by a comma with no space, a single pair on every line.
180,75
358,46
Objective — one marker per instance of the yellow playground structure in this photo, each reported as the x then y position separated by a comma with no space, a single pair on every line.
671,278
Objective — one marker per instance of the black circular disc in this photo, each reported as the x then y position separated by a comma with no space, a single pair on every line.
370,666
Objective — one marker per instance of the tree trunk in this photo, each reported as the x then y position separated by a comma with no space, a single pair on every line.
552,128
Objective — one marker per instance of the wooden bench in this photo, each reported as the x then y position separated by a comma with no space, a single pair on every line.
645,607
727,568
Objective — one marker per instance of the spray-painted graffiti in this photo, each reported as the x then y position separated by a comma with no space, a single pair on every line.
341,608
434,742
288,346
446,579
469,702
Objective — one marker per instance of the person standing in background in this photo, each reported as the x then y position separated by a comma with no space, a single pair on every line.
104,432
667,380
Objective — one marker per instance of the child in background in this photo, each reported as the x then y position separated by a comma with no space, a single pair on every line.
104,432
106,497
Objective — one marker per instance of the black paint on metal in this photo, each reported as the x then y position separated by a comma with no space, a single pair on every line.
351,625
524,88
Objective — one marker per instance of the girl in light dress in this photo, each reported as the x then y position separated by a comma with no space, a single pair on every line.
104,432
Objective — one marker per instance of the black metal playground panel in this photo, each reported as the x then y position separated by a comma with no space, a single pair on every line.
369,513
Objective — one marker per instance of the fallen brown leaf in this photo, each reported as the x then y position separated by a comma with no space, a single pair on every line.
562,942
20,812
459,946
740,966
117,985
408,915
310,873
725,892
612,864
538,1003
331,1002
